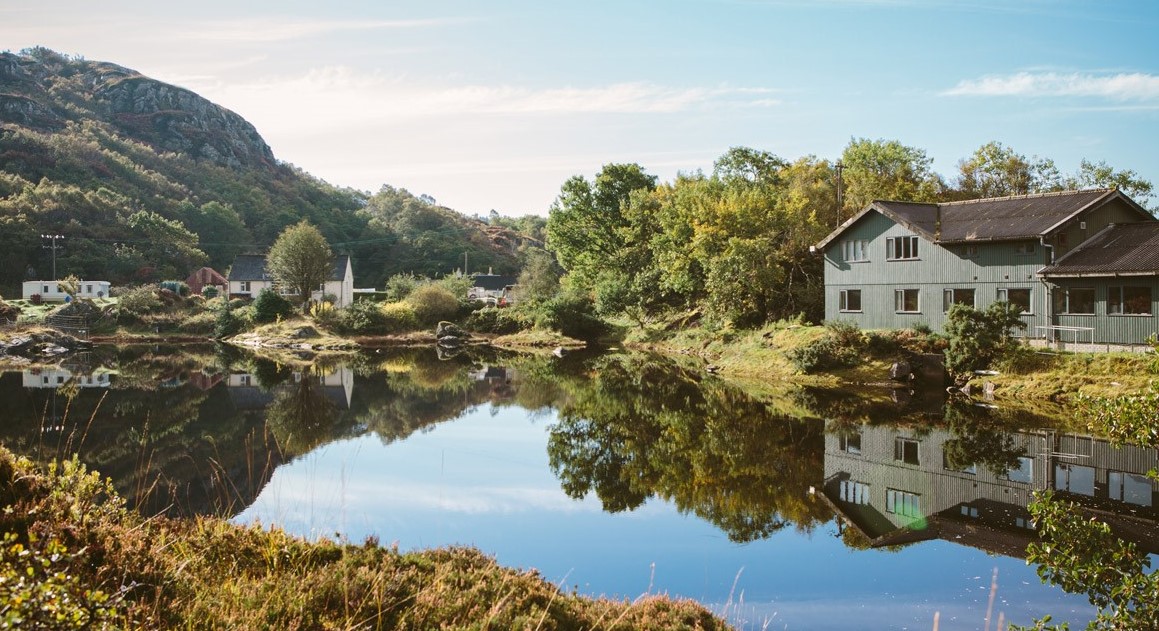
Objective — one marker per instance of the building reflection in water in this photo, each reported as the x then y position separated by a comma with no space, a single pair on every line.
898,485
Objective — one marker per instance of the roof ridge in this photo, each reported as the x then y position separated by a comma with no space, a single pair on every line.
1028,196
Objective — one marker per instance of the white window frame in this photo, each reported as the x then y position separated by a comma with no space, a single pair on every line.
855,251
243,286
1004,296
899,450
844,306
899,300
854,492
903,503
950,297
1118,291
901,248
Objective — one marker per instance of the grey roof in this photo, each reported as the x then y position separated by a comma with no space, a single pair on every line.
1009,218
248,267
253,267
1117,250
992,219
493,282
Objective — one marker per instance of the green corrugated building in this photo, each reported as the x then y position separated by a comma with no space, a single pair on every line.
1084,265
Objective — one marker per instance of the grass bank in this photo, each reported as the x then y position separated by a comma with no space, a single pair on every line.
74,557
763,359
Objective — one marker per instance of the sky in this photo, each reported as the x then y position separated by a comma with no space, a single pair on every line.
493,105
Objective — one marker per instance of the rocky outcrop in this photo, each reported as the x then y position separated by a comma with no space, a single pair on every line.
45,90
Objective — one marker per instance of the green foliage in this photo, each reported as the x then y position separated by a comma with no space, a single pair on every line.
137,302
361,318
995,170
1127,419
70,285
401,285
572,314
887,169
1081,555
842,346
399,317
176,286
978,338
501,321
539,279
433,302
300,260
270,306
40,592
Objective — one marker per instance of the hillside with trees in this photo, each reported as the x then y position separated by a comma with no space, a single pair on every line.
148,181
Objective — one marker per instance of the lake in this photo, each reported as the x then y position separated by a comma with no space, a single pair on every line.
610,474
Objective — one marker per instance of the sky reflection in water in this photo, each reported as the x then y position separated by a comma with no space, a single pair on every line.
484,480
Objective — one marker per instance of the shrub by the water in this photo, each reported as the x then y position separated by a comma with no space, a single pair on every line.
269,306
433,302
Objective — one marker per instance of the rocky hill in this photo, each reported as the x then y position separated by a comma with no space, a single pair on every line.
148,181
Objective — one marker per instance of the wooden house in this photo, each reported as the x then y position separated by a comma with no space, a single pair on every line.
1082,265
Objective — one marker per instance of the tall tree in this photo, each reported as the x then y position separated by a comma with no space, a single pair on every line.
587,225
1102,175
887,169
995,170
300,260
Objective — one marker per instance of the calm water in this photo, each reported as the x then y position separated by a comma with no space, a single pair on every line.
611,475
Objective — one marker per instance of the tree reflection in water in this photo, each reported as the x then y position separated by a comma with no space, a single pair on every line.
639,427
301,417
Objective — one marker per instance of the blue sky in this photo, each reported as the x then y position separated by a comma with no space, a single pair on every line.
492,105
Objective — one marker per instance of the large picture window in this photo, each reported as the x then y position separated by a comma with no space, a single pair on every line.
855,250
854,492
951,297
1129,300
906,301
1019,297
851,300
1074,300
901,248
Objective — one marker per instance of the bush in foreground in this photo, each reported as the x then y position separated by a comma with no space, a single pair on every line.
209,573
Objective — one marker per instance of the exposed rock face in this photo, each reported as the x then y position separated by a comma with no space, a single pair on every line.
46,91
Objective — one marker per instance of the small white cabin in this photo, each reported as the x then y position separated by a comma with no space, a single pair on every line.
50,291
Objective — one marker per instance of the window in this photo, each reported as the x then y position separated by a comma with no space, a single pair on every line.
851,300
970,251
905,300
1129,488
901,248
855,250
244,286
969,511
1074,478
1016,296
88,289
45,291
1024,473
1026,247
1129,300
854,492
906,450
903,503
951,297
971,469
851,444
1075,300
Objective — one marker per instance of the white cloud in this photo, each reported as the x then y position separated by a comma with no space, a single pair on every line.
266,30
1135,86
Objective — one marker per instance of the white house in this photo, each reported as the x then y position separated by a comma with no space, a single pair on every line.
49,290
248,277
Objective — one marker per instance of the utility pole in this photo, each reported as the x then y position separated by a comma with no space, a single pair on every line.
54,237
464,264
840,190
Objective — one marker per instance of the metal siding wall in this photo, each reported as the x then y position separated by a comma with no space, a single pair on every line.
937,268
1111,329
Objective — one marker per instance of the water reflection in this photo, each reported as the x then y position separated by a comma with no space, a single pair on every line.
629,439
969,481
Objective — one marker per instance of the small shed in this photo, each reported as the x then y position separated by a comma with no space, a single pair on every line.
206,277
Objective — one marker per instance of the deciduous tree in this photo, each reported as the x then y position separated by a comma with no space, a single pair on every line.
300,260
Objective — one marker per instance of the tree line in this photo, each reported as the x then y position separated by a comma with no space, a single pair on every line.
733,245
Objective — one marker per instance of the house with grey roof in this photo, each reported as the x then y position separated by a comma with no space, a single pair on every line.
1082,265
248,277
